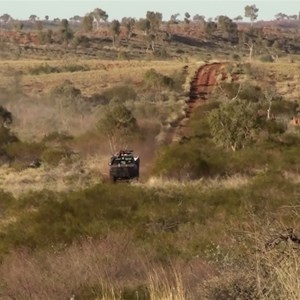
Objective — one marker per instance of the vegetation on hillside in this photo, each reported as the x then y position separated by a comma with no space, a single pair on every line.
216,215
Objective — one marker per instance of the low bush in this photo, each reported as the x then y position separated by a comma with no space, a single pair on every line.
153,79
120,92
6,136
53,157
57,137
248,92
43,69
74,68
23,153
266,58
66,89
7,201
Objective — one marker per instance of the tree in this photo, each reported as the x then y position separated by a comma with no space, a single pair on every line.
143,25
227,26
5,121
187,17
99,15
253,38
293,17
174,18
87,23
278,16
75,19
32,18
115,28
129,24
155,20
47,18
39,25
238,18
233,124
118,125
5,18
251,11
270,96
5,117
210,27
198,18
18,25
46,37
66,33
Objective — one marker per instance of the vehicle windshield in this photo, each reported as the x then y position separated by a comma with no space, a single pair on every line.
123,160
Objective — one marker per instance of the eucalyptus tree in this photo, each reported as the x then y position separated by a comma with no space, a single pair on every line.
115,28
251,12
99,15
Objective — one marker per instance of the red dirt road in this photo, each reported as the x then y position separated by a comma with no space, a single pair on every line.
205,80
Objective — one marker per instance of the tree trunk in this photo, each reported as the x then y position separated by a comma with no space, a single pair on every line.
250,52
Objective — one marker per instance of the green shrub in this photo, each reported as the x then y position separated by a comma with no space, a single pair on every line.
274,127
66,89
249,92
190,159
98,99
282,107
57,137
266,58
120,92
122,55
43,69
6,137
81,40
153,79
178,78
23,153
7,200
53,156
75,68
236,57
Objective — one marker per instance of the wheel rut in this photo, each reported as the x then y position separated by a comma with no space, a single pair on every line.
202,85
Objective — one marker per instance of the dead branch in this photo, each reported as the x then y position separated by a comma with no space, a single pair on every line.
288,235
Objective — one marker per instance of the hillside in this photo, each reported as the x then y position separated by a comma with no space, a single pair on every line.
215,214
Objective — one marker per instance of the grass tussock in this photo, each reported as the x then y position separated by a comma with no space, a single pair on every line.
62,177
232,182
110,268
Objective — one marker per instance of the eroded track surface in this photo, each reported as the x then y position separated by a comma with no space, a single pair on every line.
206,78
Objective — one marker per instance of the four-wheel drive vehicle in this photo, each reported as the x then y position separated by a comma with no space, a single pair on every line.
124,165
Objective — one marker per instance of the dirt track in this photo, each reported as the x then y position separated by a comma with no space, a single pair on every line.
203,83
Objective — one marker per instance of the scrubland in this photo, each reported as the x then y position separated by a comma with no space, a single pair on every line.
204,222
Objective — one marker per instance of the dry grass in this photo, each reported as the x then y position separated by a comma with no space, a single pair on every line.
64,177
101,269
283,269
232,182
101,74
163,287
293,177
283,75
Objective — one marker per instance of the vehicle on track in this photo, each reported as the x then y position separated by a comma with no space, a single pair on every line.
124,165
